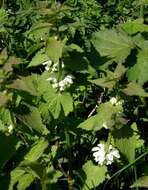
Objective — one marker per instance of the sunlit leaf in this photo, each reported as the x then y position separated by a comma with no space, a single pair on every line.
112,44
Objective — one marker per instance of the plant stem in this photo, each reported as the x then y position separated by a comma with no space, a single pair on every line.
43,185
124,168
69,176
135,173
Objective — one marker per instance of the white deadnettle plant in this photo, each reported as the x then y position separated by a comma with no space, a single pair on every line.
103,156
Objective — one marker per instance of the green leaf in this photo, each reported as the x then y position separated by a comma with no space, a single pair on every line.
141,182
132,27
127,137
3,56
103,116
138,73
8,147
37,150
133,89
16,174
39,58
112,44
25,181
111,79
66,102
92,175
39,31
30,116
54,49
59,102
24,84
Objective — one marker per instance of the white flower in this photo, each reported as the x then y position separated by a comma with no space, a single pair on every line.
68,79
113,153
62,64
52,79
55,85
113,101
10,128
47,64
103,156
99,153
54,67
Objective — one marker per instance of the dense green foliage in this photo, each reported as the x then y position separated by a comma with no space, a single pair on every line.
73,74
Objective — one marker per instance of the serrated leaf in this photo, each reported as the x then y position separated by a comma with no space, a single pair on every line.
104,82
3,99
92,175
127,137
3,56
54,49
132,27
66,102
30,116
103,116
24,84
139,72
141,182
60,102
10,63
39,31
133,89
112,44
111,79
25,181
39,58
37,150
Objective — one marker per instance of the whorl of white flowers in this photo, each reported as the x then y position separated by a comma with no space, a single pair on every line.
63,84
103,156
53,67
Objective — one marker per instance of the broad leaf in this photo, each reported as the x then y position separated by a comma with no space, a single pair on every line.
132,27
112,44
133,89
37,150
139,72
127,137
60,102
25,181
24,84
16,174
92,175
39,58
30,116
54,49
104,115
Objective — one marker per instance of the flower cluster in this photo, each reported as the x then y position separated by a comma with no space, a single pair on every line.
63,84
103,156
53,67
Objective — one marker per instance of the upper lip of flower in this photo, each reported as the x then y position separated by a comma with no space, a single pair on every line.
101,156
